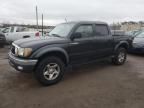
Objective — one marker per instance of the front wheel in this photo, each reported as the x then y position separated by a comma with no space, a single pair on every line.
50,70
120,56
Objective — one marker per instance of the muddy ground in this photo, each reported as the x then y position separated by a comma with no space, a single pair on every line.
97,85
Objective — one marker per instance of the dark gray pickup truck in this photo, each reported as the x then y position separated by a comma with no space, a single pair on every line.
67,44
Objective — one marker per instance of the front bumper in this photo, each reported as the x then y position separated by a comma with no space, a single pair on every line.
23,65
136,50
2,41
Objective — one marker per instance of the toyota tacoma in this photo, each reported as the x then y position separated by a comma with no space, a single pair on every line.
66,45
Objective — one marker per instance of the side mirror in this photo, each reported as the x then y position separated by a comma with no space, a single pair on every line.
76,35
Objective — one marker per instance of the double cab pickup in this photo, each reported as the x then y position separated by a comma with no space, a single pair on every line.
66,45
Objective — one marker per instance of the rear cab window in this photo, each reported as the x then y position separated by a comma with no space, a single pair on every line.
12,29
21,29
101,30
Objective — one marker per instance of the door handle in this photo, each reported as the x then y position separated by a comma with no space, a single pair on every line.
74,43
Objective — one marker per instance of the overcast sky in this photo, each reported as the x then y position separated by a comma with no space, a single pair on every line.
55,11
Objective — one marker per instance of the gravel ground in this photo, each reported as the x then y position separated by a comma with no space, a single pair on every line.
97,85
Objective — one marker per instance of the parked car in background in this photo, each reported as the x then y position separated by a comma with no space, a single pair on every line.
138,44
16,33
68,44
1,29
2,40
134,33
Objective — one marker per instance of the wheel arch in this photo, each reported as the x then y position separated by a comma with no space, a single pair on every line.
122,44
57,52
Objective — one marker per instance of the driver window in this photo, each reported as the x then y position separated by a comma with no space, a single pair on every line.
85,30
6,30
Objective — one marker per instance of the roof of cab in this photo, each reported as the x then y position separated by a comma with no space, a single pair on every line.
86,22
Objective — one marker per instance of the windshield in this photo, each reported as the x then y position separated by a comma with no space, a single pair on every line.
61,30
5,30
141,35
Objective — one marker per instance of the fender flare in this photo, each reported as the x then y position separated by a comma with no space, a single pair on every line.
121,43
42,51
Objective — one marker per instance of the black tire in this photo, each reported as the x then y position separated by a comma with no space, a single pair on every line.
1,45
39,72
116,59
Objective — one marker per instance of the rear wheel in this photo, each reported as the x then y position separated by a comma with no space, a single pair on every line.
120,56
1,45
50,71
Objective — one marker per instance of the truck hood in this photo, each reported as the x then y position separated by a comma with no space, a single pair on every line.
139,40
38,42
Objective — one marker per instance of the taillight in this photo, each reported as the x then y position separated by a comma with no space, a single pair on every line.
37,34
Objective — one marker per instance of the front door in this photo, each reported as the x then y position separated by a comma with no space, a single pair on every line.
80,50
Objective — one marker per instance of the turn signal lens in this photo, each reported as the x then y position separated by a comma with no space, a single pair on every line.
27,52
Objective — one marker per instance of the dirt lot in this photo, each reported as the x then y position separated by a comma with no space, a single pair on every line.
98,85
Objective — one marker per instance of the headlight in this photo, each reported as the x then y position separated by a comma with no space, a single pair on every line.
24,52
16,50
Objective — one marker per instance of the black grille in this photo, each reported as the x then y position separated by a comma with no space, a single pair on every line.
2,37
13,49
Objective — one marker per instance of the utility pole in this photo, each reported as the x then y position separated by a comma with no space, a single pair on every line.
65,19
42,25
37,18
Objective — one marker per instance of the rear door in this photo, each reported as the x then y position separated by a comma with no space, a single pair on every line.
103,41
19,33
12,34
7,32
81,49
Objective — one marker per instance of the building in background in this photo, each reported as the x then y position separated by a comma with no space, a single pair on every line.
131,26
115,26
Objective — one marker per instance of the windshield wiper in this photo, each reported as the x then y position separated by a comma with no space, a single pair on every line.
56,35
